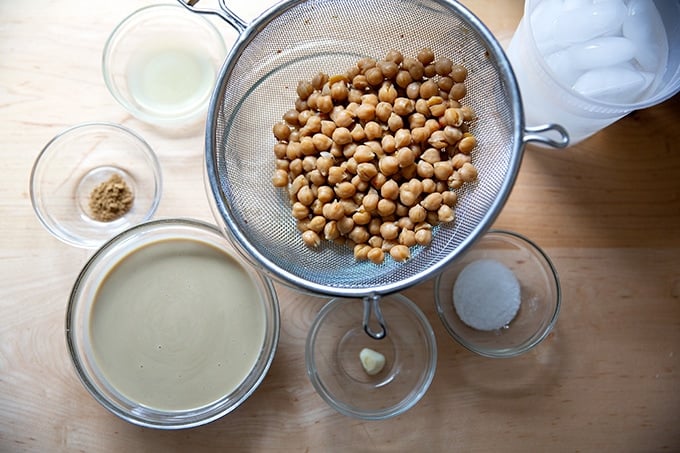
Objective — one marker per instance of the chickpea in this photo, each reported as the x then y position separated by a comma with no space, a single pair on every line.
468,172
375,241
423,237
416,69
305,195
388,68
345,225
432,202
386,207
336,175
390,190
343,118
280,150
429,89
361,186
313,122
324,104
359,234
426,56
361,252
360,82
422,107
406,157
403,78
321,142
413,90
300,211
376,255
333,211
438,140
358,133
468,113
362,217
449,198
304,89
372,130
374,76
407,197
443,66
425,169
389,165
330,230
317,223
443,169
311,238
445,84
280,178
466,144
374,226
395,122
458,91
417,214
370,201
345,190
366,112
342,136
458,73
378,180
459,159
389,230
407,237
388,144
339,91
383,111
445,213
365,63
432,125
403,106
366,171
400,252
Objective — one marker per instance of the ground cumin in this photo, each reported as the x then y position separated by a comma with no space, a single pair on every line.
111,199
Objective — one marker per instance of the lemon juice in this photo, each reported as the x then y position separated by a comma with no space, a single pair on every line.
170,79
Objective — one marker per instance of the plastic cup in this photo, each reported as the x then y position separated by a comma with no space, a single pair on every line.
547,100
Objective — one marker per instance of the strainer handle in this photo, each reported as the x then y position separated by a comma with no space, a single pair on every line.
372,307
223,11
537,134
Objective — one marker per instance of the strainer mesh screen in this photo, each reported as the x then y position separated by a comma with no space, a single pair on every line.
258,85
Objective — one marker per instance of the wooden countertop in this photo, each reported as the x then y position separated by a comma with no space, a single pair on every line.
607,211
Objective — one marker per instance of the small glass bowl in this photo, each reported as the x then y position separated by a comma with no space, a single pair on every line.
109,261
332,357
539,291
160,63
76,161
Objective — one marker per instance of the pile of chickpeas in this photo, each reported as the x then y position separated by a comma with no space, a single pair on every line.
371,157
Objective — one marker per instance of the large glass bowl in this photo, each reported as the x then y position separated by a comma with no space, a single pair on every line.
93,363
79,159
540,296
333,360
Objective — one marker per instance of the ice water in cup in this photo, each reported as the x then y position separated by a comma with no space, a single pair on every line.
586,63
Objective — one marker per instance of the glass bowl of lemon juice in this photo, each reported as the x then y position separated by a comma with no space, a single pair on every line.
160,63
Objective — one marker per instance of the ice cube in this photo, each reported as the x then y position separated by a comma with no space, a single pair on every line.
601,52
588,22
564,69
644,27
618,84
543,18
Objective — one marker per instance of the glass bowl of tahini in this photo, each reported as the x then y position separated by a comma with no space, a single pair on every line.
502,298
168,327
161,62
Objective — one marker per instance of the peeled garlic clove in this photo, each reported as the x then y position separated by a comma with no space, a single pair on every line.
372,361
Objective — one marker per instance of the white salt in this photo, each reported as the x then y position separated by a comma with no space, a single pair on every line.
486,295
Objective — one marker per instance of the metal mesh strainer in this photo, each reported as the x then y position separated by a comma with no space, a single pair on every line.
293,41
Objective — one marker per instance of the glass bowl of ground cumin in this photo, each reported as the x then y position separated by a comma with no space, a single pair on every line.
94,180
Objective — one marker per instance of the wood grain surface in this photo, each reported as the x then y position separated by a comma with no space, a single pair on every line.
607,211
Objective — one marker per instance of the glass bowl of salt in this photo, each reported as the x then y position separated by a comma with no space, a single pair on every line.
502,298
